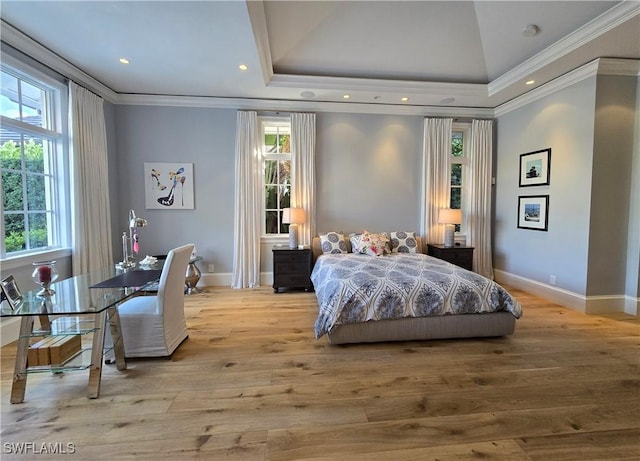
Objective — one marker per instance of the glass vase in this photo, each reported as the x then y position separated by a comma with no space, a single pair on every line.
44,274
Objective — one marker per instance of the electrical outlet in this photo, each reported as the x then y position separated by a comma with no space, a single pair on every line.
552,279
211,268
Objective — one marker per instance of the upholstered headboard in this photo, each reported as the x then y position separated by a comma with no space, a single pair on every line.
316,248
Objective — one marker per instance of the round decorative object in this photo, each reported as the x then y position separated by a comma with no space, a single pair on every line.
44,274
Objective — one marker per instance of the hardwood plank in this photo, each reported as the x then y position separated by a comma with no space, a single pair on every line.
606,445
448,430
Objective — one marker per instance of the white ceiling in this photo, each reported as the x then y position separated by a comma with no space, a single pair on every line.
454,53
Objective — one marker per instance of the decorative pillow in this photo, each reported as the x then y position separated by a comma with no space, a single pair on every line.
332,242
403,242
354,239
373,244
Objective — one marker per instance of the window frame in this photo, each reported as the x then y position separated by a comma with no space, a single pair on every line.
272,121
463,160
58,199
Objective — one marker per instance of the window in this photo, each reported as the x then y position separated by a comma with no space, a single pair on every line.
459,171
32,161
276,154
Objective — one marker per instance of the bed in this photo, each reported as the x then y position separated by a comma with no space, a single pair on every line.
402,295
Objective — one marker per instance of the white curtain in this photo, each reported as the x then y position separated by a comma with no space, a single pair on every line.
91,212
248,206
435,186
303,148
479,212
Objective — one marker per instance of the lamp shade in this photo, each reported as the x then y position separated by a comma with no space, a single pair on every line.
450,216
293,215
134,221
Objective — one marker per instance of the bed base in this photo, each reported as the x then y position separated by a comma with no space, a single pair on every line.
422,328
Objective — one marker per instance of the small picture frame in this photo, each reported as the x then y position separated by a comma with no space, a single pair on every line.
4,299
535,168
11,291
533,212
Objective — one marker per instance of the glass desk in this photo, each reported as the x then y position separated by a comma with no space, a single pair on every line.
93,308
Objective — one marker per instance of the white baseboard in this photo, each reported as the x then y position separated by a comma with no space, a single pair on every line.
9,330
224,279
586,304
632,305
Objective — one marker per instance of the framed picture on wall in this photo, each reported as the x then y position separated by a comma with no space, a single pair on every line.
533,212
168,186
535,168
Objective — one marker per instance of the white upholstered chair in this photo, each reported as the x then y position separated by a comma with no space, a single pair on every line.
154,326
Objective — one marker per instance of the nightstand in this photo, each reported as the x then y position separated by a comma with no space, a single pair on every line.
460,256
292,268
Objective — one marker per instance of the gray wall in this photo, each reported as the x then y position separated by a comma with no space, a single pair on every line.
632,284
611,184
204,137
562,121
367,166
368,172
592,244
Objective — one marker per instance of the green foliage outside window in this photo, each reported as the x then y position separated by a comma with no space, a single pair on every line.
15,217
277,176
456,172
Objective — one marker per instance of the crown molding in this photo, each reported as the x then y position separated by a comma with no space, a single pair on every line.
581,73
600,66
377,85
608,20
297,106
25,44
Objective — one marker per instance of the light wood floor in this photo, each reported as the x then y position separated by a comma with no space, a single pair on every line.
252,383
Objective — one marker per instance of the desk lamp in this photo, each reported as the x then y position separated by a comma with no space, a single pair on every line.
130,244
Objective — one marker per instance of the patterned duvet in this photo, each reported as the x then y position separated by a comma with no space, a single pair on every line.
354,288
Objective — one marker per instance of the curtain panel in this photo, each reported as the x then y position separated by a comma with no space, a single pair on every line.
91,212
479,213
248,202
435,186
303,147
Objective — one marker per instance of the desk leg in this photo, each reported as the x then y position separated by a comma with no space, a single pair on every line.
118,340
97,354
20,373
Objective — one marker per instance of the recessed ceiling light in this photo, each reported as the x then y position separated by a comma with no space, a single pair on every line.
346,96
307,94
404,99
447,100
531,30
242,67
529,82
124,60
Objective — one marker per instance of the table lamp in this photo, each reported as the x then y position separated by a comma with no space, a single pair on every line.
293,217
449,217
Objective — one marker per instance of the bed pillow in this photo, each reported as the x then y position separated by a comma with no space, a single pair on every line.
332,242
403,242
373,244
